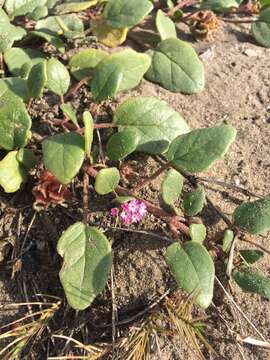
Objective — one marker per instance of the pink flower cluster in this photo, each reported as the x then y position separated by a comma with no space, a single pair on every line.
132,211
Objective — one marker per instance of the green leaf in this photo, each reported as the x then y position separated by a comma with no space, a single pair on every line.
9,33
122,144
156,123
227,240
171,186
70,112
165,26
27,158
197,232
193,270
58,77
106,81
261,28
37,79
15,86
22,7
72,7
253,217
12,174
122,199
176,67
193,202
123,13
251,256
133,66
107,180
63,155
106,34
252,281
15,123
50,37
219,5
83,63
87,262
88,132
15,58
70,26
39,13
197,150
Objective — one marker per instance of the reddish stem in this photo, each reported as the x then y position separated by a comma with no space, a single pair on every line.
74,89
175,222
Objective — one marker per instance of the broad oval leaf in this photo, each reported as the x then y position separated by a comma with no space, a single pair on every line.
108,35
37,79
22,7
9,33
74,6
251,256
14,86
193,202
63,155
83,63
197,232
252,281
107,180
261,28
176,67
133,66
122,144
123,13
197,150
165,26
87,261
106,81
193,270
253,217
38,13
58,77
27,158
15,123
219,5
12,173
156,123
15,58
171,186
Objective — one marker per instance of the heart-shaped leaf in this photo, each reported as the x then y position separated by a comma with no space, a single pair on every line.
122,144
63,155
261,28
22,7
252,281
197,232
87,261
15,123
197,150
37,79
15,58
176,67
72,7
193,270
12,173
107,180
193,202
251,256
156,123
83,63
69,26
253,217
165,26
106,81
58,77
108,35
133,67
123,13
171,186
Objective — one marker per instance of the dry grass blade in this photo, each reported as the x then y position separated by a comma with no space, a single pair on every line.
250,340
26,328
